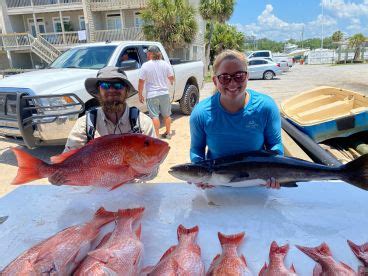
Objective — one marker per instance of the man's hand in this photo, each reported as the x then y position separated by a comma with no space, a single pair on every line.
202,185
141,98
272,183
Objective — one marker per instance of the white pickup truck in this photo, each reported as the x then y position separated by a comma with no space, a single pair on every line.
42,106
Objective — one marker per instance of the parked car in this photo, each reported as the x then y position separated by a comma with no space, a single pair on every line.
260,54
282,64
260,68
42,106
287,59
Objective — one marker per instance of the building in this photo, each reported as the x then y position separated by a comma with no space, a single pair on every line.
33,35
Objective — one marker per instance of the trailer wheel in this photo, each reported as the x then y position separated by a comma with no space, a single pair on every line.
189,99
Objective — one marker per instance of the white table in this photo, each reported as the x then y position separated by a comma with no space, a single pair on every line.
308,215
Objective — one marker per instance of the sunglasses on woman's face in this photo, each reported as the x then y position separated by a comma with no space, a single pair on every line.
239,77
107,85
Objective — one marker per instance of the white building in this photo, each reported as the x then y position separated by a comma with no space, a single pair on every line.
32,32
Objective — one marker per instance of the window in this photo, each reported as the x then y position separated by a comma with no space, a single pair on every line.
257,62
138,21
40,25
82,23
130,54
113,21
57,24
261,54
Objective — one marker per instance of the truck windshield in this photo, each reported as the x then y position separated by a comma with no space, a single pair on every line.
85,58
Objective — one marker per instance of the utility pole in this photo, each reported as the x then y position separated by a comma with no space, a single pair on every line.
323,2
302,35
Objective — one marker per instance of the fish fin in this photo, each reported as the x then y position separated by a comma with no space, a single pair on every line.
235,239
317,270
117,186
103,216
104,240
138,231
212,265
182,231
289,184
240,177
168,252
62,157
101,254
360,251
292,268
275,248
356,172
316,252
243,259
263,270
29,167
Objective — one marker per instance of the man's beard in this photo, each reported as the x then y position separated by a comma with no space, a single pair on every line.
115,105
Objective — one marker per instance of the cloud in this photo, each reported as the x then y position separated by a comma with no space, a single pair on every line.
342,9
270,26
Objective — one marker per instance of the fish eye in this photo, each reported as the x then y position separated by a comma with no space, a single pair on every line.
146,143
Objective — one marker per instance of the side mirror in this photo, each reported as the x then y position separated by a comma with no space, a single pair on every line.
129,65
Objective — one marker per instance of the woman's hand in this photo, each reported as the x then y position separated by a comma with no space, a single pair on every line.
272,183
202,185
141,98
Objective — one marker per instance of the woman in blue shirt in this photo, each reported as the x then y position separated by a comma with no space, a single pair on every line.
235,119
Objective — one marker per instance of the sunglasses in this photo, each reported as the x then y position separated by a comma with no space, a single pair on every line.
225,79
107,85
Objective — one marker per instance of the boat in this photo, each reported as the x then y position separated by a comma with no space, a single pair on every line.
327,112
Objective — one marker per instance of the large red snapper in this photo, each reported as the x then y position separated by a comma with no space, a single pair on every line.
107,161
120,252
229,262
61,253
276,267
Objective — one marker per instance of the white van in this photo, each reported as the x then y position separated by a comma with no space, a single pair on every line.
260,54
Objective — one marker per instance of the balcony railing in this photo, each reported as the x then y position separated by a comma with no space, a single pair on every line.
62,39
15,40
36,3
123,34
102,5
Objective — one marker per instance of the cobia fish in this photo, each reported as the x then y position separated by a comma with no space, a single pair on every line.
361,251
276,267
60,254
251,169
326,265
120,252
108,161
229,262
181,259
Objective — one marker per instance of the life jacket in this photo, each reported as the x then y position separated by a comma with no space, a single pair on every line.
91,118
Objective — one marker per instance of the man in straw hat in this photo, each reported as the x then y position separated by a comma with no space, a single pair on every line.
111,87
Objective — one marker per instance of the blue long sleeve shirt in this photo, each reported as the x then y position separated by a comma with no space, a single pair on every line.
257,126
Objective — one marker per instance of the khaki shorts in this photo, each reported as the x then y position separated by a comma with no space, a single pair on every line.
159,105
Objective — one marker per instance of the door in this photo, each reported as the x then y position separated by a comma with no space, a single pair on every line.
40,25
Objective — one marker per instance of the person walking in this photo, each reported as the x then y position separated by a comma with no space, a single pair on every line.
154,76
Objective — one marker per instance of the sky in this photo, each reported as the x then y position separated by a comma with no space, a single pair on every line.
281,20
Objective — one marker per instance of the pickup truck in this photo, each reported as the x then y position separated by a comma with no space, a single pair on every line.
42,106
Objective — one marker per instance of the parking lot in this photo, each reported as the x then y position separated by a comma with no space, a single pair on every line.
298,79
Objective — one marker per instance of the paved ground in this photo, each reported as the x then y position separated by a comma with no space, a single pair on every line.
300,78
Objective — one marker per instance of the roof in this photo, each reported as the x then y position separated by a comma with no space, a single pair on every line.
117,43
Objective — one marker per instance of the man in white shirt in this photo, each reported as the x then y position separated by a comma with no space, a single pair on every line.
154,75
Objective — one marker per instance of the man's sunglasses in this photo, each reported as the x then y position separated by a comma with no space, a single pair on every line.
225,79
107,85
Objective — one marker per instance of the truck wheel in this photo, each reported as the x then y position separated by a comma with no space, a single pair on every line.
189,99
268,75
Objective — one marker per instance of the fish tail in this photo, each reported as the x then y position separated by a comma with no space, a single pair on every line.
184,232
275,248
235,239
102,217
135,213
360,251
316,253
356,172
29,167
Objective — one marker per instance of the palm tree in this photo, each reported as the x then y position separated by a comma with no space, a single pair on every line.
215,11
172,22
337,36
356,42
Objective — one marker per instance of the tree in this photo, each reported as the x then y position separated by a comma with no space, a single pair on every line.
356,42
337,36
172,22
224,37
214,11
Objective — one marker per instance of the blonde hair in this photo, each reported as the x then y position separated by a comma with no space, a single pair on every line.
229,55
